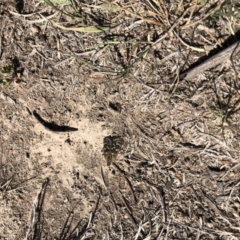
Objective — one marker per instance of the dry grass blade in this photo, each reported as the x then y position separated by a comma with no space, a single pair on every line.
22,15
211,203
145,19
5,186
105,6
89,29
205,16
46,18
56,1
35,228
192,11
105,182
187,45
90,220
163,205
128,181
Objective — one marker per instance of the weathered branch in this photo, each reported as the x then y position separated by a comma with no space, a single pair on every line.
213,61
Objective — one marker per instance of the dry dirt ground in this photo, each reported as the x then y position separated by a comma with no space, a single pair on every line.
177,176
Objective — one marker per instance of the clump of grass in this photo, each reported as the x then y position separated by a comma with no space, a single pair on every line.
57,6
230,8
54,4
6,75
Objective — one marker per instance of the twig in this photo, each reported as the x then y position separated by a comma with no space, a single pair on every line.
90,220
53,126
128,181
162,202
212,62
140,228
36,213
105,183
7,183
1,36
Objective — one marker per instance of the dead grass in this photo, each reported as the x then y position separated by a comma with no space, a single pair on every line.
177,177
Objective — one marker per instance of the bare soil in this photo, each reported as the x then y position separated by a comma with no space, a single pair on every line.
177,176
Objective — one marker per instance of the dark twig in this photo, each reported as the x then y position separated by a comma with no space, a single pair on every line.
35,229
128,181
212,61
53,126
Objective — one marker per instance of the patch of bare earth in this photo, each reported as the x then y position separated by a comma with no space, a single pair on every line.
177,176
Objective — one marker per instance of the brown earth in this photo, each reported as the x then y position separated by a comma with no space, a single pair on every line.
177,176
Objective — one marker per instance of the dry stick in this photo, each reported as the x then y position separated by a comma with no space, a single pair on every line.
128,181
212,61
7,183
36,211
105,183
